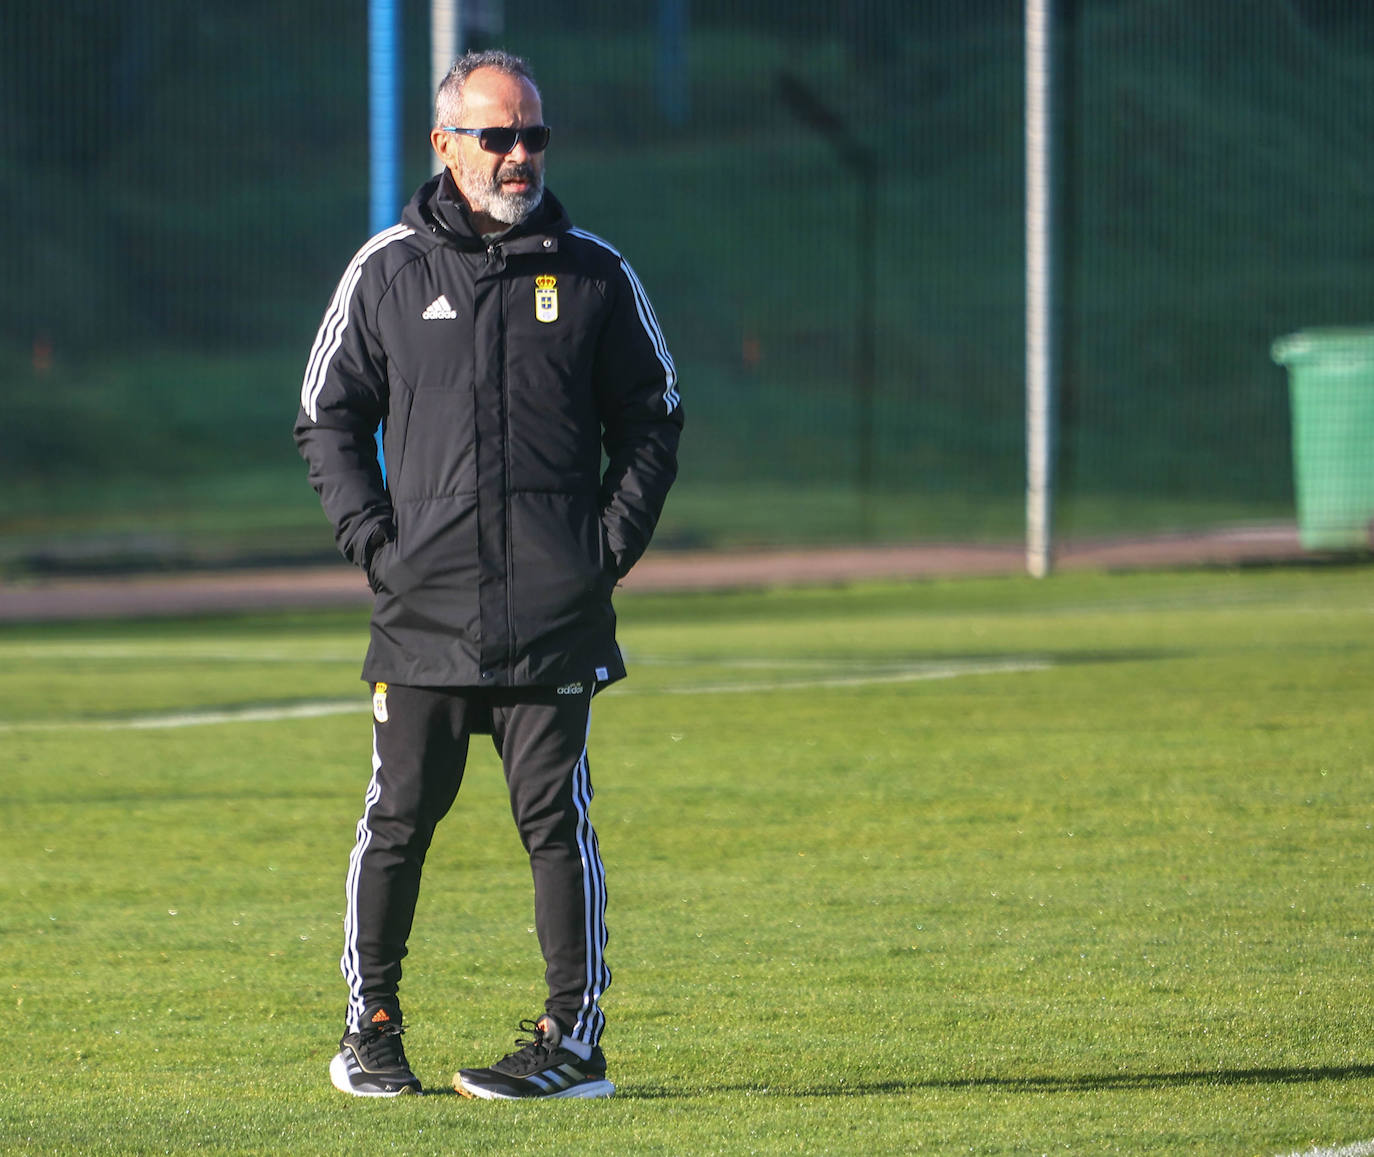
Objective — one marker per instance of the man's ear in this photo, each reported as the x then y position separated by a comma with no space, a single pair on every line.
444,145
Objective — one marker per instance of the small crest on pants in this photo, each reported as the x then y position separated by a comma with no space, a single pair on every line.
379,703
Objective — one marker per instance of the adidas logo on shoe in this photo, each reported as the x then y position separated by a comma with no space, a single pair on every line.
543,1068
439,310
372,1062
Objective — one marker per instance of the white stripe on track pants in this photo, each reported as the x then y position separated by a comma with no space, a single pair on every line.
419,754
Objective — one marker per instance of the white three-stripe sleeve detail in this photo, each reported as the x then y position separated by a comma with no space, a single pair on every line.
647,318
331,332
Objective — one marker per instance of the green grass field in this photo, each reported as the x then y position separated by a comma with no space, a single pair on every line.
986,867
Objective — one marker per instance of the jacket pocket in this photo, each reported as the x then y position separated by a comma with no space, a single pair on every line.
388,573
561,569
429,574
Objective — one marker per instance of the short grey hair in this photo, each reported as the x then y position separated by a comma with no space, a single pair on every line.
448,101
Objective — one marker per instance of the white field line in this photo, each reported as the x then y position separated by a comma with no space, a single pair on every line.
198,718
249,653
321,708
870,666
187,653
1358,1149
909,675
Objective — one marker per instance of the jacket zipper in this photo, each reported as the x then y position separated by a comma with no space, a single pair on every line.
494,256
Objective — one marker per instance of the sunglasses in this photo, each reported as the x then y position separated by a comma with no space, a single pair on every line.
535,138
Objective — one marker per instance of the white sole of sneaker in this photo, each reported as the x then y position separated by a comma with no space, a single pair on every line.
338,1077
585,1091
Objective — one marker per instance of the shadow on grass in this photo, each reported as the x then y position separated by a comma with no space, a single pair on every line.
1085,1083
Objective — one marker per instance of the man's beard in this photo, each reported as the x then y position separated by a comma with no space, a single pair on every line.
485,193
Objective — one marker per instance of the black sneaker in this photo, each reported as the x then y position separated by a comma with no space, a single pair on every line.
372,1063
540,1069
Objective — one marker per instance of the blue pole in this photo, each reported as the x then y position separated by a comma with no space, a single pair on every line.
672,61
384,111
384,125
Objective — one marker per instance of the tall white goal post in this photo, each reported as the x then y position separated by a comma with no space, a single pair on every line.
445,44
1040,286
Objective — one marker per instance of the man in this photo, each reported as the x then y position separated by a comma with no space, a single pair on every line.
501,350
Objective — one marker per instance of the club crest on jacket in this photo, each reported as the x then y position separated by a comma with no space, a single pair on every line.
546,297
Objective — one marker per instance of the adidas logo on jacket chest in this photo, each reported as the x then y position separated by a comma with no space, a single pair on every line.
545,302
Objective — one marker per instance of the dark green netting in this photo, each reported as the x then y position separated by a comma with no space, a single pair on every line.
181,184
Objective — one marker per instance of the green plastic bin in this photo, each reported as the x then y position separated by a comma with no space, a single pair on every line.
1331,389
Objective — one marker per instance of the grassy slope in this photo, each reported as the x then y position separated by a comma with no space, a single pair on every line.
1118,904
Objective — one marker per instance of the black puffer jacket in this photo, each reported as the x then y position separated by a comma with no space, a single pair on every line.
499,374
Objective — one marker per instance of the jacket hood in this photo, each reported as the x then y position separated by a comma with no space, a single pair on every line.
438,208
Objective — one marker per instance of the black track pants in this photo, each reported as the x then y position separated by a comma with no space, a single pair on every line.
420,746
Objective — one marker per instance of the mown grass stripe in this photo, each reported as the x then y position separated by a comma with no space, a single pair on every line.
271,714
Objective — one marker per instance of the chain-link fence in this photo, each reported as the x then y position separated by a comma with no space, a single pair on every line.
826,206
